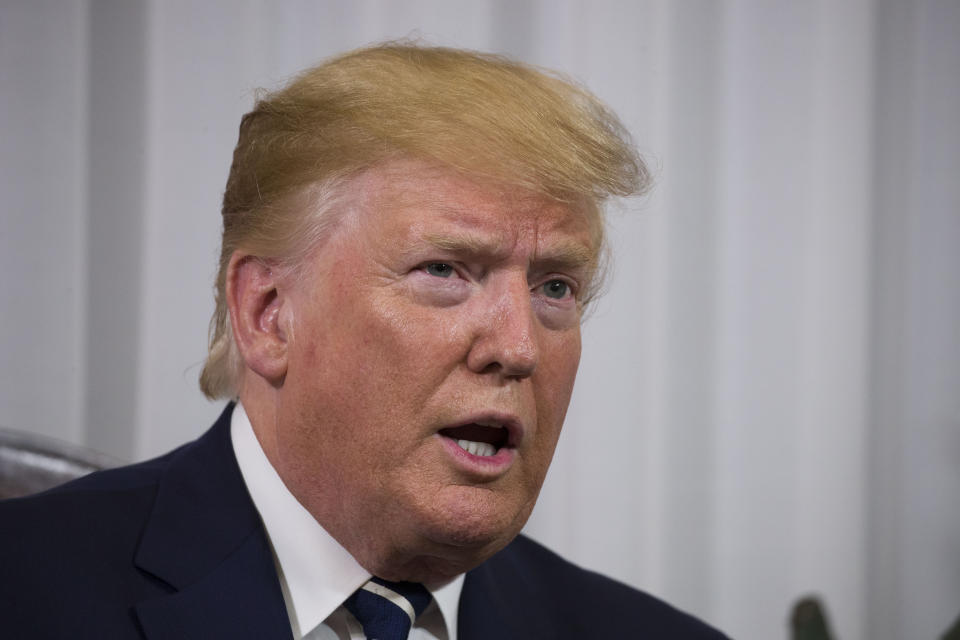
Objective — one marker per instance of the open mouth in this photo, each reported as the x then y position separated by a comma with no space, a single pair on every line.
482,440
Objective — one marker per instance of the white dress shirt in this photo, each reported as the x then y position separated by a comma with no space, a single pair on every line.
316,573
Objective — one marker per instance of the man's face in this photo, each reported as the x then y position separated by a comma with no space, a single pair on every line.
434,340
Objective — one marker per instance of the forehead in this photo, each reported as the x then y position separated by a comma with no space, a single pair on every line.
441,205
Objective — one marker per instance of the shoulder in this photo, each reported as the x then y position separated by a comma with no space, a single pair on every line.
74,508
83,559
71,509
83,521
67,554
574,602
103,503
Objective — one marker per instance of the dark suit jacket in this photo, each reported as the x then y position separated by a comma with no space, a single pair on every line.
174,548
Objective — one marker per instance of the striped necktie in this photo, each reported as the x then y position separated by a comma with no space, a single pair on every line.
387,610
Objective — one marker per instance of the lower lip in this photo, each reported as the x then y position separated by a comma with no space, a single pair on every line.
487,466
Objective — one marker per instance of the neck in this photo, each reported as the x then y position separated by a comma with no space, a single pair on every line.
259,400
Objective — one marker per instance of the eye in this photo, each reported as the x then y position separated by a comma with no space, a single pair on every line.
439,269
556,289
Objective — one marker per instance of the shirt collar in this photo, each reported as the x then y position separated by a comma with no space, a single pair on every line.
319,573
447,598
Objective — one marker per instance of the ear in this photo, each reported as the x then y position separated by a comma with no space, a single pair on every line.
254,300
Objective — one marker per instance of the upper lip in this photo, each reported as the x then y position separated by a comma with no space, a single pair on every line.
508,421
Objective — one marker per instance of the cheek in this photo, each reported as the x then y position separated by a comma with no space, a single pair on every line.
406,340
377,355
559,363
556,373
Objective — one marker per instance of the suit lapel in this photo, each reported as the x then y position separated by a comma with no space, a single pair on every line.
229,602
204,538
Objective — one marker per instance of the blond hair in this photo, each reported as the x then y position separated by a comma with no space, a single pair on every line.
478,113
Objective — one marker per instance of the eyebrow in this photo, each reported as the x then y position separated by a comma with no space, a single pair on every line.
569,255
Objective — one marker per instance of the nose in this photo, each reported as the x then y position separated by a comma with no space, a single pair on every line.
505,332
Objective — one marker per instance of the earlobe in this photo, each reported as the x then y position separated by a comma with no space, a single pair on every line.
255,302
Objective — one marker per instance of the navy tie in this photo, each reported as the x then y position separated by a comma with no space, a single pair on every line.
387,609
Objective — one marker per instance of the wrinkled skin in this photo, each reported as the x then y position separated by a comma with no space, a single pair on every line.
435,299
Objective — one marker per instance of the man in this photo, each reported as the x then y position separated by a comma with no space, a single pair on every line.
410,236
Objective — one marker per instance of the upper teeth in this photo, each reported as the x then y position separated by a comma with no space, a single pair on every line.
477,448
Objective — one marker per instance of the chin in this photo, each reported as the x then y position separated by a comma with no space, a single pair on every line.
473,524
428,570
437,550
458,529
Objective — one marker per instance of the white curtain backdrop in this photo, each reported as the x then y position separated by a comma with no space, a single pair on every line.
769,400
